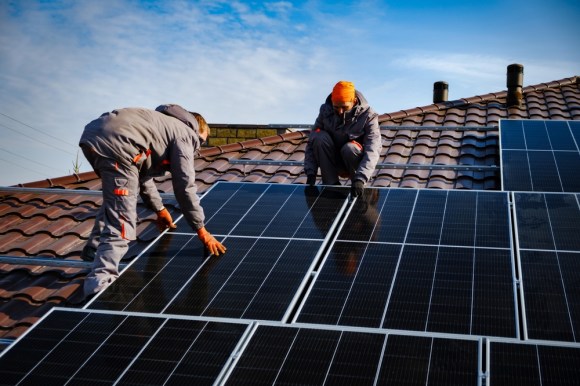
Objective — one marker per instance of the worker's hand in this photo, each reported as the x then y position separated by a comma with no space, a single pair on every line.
311,179
164,220
357,188
215,247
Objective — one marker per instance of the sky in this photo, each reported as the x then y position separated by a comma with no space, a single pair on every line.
64,63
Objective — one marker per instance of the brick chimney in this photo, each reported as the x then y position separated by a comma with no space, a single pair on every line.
515,82
440,92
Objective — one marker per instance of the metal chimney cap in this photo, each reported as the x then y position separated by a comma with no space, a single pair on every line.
440,91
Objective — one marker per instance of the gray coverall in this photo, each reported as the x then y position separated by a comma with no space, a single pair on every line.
127,148
348,145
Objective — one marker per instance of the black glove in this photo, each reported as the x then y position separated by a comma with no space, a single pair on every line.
357,188
311,180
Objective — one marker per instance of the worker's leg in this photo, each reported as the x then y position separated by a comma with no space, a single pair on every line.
90,248
325,154
120,189
351,153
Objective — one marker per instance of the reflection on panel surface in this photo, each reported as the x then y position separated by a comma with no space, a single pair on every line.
256,278
548,225
436,261
273,234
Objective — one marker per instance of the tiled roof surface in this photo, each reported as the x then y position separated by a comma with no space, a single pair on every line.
39,220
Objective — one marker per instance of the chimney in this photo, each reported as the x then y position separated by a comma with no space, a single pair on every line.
440,91
515,82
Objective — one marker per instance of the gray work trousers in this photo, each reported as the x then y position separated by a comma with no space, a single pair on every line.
115,224
333,161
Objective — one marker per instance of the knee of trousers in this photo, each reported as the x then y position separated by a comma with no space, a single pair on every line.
351,151
321,139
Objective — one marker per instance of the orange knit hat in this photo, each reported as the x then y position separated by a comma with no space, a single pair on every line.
343,91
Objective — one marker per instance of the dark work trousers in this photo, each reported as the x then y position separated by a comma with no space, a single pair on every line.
115,224
332,161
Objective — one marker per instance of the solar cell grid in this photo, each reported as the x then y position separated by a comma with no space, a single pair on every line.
290,355
104,348
260,275
279,355
415,285
258,278
352,291
540,156
548,225
533,364
126,348
154,278
413,360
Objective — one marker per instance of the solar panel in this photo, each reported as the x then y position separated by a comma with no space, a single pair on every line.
444,264
109,348
540,155
92,347
290,355
429,361
548,225
533,364
274,234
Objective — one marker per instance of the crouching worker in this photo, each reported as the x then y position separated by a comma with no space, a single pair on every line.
345,140
126,148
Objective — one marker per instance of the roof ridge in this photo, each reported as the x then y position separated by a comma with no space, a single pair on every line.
474,99
252,143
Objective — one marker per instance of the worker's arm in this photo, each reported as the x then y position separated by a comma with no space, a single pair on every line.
152,199
183,179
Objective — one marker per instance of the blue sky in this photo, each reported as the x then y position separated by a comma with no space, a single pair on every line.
63,63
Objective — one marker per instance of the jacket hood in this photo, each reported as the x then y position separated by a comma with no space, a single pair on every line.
180,113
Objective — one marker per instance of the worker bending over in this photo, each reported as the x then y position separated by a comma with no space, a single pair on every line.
127,148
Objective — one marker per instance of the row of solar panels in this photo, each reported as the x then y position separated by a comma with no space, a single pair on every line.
421,260
415,262
97,347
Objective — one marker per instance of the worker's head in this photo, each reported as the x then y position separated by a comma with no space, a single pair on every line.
343,97
204,130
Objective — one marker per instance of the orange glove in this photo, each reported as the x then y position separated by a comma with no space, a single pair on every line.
215,247
164,220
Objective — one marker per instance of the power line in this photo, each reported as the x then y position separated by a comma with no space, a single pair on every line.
23,167
37,140
42,132
29,159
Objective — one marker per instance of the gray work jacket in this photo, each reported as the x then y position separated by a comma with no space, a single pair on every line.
155,142
361,124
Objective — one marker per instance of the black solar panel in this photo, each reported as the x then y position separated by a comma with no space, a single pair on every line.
533,364
103,348
540,156
273,234
451,270
548,225
284,355
413,360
